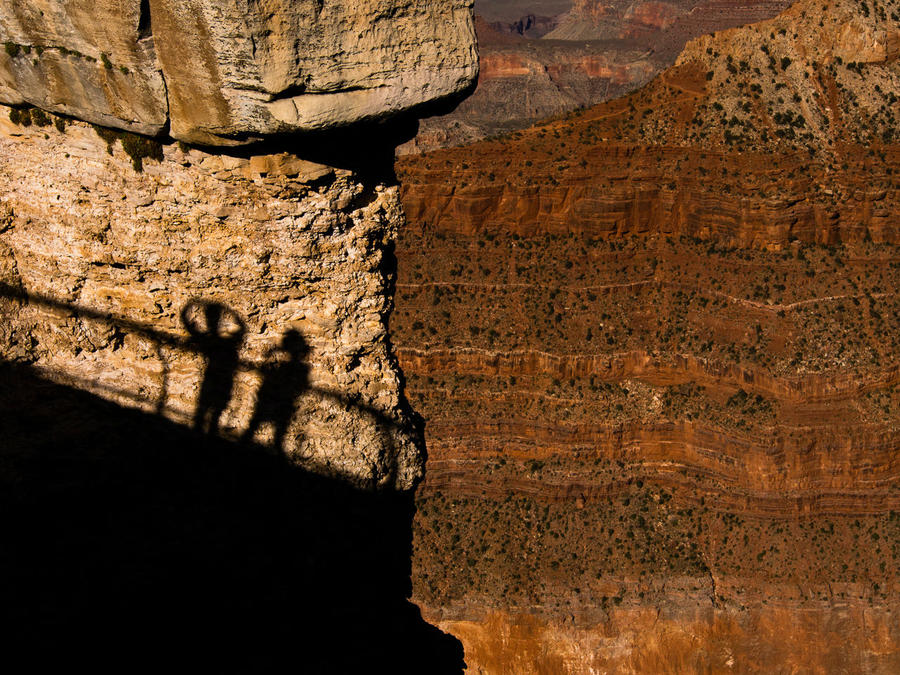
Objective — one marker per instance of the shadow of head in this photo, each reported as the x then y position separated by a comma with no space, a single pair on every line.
293,343
206,319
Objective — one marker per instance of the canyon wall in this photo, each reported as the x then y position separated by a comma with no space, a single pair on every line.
597,52
593,19
757,136
110,276
655,343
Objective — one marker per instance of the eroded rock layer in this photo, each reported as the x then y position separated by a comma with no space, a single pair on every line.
246,295
227,73
759,137
655,426
659,370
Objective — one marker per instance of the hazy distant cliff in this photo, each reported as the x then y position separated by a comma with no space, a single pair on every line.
598,51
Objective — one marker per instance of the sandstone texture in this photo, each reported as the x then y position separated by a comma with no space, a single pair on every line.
106,271
655,346
227,73
56,56
706,641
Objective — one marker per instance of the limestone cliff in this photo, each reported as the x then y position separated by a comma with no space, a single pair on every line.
207,453
225,73
112,271
247,294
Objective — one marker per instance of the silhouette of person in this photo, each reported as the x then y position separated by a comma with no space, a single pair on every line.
219,339
285,376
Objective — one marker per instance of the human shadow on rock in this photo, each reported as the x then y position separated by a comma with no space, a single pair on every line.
217,332
285,377
130,540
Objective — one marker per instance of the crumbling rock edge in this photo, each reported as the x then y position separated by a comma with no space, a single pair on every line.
220,74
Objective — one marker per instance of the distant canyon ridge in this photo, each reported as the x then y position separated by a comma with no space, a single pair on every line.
541,58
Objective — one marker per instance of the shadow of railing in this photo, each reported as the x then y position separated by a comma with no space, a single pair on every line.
387,426
128,538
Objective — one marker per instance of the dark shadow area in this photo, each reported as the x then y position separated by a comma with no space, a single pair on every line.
131,541
284,372
367,147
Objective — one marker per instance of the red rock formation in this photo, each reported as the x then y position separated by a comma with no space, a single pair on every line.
658,354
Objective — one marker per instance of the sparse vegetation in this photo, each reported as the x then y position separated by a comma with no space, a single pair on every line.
138,148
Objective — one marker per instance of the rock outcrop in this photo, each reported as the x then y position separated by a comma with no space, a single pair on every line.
94,61
229,73
113,275
658,426
246,294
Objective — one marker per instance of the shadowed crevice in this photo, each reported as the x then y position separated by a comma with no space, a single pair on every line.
145,24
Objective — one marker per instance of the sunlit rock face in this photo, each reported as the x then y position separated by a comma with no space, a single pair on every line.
244,294
92,60
232,72
247,297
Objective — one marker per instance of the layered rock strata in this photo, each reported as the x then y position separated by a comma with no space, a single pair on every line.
655,450
230,73
655,347
758,136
